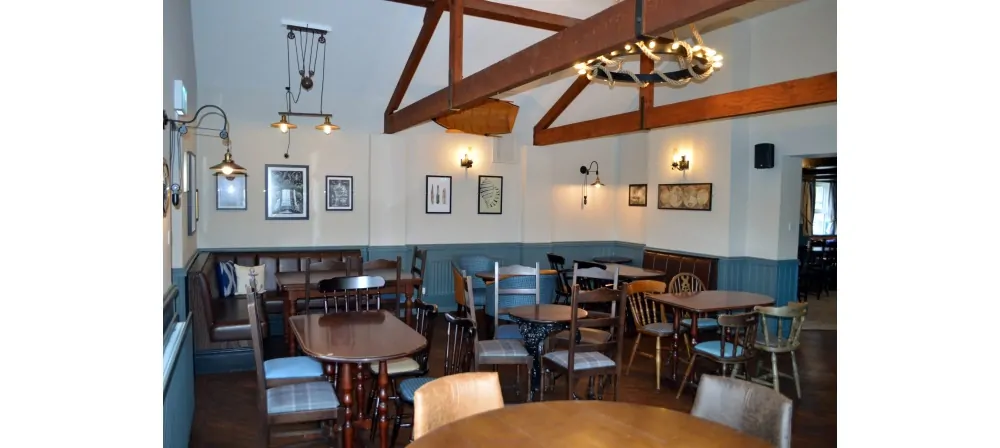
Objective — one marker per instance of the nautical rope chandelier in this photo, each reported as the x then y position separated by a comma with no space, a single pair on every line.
306,40
697,62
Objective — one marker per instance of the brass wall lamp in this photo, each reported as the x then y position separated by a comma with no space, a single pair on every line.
585,170
178,128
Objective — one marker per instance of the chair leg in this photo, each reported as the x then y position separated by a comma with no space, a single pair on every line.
774,372
635,348
657,361
687,374
795,374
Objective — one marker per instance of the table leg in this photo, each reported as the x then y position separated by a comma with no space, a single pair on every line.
677,330
287,311
383,396
534,335
347,401
409,306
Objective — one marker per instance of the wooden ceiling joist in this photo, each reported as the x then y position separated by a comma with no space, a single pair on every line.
506,13
811,91
431,18
596,35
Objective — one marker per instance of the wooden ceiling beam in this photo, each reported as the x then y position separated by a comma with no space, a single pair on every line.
455,43
431,18
646,94
661,16
507,13
563,102
811,91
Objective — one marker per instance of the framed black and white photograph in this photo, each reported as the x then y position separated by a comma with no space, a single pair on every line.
231,194
438,193
190,174
287,192
637,195
490,195
340,193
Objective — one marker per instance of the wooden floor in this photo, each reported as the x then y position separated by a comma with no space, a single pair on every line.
225,404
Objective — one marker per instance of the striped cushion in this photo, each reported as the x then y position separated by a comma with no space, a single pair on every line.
292,367
226,275
659,328
501,347
408,387
302,397
703,322
582,360
397,366
508,332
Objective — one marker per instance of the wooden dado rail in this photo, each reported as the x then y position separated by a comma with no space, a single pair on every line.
706,268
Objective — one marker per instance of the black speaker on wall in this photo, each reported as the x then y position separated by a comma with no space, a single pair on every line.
763,155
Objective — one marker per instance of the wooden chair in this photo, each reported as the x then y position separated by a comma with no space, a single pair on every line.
507,348
463,293
686,282
772,339
418,267
591,360
588,283
592,276
738,335
745,407
458,358
305,402
424,316
287,370
454,397
356,293
650,320
325,265
471,265
394,294
558,264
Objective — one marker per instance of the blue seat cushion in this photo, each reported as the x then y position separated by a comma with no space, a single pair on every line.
408,387
659,329
292,367
713,348
703,322
509,331
302,397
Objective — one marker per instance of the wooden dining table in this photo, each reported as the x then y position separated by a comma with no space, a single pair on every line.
293,283
347,342
697,303
585,424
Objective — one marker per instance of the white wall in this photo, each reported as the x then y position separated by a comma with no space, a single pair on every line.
178,63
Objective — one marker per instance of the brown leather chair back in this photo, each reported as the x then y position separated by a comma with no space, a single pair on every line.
745,406
454,397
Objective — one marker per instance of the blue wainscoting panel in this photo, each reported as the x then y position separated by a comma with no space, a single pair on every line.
389,253
630,250
178,396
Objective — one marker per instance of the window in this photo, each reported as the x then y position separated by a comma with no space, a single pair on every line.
824,210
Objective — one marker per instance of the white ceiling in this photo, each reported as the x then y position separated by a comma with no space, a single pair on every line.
240,50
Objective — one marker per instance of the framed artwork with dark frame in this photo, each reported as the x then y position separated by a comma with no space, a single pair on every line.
191,187
684,197
287,192
231,194
339,193
637,195
490,195
438,195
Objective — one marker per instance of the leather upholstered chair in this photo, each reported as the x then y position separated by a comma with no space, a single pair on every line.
747,407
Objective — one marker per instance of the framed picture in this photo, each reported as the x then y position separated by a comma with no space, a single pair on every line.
684,197
231,194
490,195
637,195
438,194
287,192
191,187
340,193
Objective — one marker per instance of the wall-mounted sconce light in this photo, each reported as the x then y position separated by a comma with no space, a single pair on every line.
178,128
681,165
586,172
466,162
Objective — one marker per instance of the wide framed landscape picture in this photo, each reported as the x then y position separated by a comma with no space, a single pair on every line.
637,195
684,197
490,195
287,195
340,193
438,194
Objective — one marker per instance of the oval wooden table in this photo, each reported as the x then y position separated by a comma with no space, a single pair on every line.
536,323
585,424
636,273
354,339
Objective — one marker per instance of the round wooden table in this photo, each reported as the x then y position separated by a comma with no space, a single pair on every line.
613,259
593,424
536,323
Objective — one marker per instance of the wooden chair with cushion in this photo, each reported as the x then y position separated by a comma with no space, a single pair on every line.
513,286
325,265
592,276
746,407
558,264
463,293
287,370
454,397
395,294
591,360
650,320
458,359
736,347
357,293
303,402
686,282
418,267
781,337
472,265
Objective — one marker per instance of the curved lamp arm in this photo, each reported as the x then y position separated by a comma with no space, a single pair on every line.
178,128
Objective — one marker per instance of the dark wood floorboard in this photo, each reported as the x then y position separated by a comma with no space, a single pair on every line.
225,406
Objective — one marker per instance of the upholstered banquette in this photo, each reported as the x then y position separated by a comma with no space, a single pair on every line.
222,322
706,268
